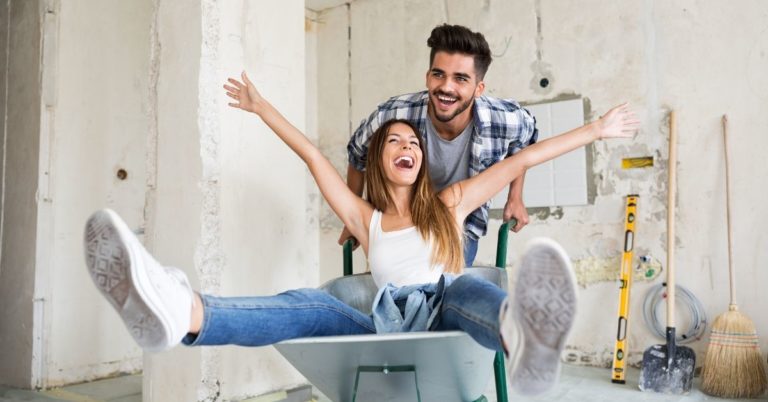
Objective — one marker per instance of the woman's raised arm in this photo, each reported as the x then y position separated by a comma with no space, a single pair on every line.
350,208
467,195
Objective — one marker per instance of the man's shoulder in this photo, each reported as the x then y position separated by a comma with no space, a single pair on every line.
498,104
501,113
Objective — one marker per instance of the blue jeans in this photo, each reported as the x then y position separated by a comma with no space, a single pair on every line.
470,250
470,304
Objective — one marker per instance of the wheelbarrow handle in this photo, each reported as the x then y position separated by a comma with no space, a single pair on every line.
349,246
501,244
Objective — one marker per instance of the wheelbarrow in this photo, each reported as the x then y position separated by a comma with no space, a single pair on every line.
418,366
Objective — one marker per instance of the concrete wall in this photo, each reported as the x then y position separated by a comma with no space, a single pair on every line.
76,115
658,56
21,28
98,126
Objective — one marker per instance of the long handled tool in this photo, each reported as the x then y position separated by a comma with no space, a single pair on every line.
733,367
669,368
620,351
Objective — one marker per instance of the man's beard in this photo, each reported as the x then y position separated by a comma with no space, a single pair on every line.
445,119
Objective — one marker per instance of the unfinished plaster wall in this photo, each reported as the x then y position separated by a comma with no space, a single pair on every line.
75,117
700,60
231,205
96,103
18,221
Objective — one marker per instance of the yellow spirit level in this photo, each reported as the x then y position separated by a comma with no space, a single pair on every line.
620,351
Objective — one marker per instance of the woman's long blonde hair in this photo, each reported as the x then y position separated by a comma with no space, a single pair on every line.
431,217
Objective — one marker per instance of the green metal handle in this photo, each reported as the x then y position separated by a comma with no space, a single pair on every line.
349,246
501,245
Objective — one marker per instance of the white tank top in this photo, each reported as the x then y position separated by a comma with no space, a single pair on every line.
400,257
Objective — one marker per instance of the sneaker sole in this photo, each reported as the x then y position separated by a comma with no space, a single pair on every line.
110,264
545,308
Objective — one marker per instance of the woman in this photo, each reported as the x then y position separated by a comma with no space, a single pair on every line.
410,235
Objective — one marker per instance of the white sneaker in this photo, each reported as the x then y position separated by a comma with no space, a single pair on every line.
536,321
155,302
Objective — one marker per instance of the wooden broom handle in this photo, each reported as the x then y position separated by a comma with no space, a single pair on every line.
671,190
731,275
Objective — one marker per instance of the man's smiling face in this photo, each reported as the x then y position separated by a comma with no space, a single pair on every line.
452,84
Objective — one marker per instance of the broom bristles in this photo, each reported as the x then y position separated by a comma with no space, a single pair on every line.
733,367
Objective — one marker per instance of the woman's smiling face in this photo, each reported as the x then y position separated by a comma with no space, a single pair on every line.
402,155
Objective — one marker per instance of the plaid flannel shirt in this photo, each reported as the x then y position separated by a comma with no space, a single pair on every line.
502,128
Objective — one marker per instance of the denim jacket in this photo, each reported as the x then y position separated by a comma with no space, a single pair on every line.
408,308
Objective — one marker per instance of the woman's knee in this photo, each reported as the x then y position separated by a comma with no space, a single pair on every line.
309,295
331,315
470,283
469,292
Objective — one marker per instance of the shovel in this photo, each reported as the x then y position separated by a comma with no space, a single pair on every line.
669,368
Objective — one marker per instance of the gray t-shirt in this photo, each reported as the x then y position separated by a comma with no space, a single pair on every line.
448,160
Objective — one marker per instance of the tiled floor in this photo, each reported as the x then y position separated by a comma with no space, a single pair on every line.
594,385
577,384
121,389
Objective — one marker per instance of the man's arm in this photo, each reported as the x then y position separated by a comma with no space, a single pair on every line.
355,182
515,208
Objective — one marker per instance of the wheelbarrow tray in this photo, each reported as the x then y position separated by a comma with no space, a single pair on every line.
440,366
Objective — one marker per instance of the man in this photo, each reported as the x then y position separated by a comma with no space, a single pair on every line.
464,131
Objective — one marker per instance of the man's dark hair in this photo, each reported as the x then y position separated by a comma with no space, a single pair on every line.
459,39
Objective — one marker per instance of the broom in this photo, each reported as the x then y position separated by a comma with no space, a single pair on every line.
733,367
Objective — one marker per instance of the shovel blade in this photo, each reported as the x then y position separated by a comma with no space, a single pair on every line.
665,375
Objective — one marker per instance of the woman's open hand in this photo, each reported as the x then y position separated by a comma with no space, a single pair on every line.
619,122
245,94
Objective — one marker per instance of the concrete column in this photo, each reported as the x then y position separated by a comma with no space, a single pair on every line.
232,206
21,99
173,209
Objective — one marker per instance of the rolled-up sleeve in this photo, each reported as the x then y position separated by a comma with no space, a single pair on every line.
525,134
357,148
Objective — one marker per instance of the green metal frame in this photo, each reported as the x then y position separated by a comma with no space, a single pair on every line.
501,262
